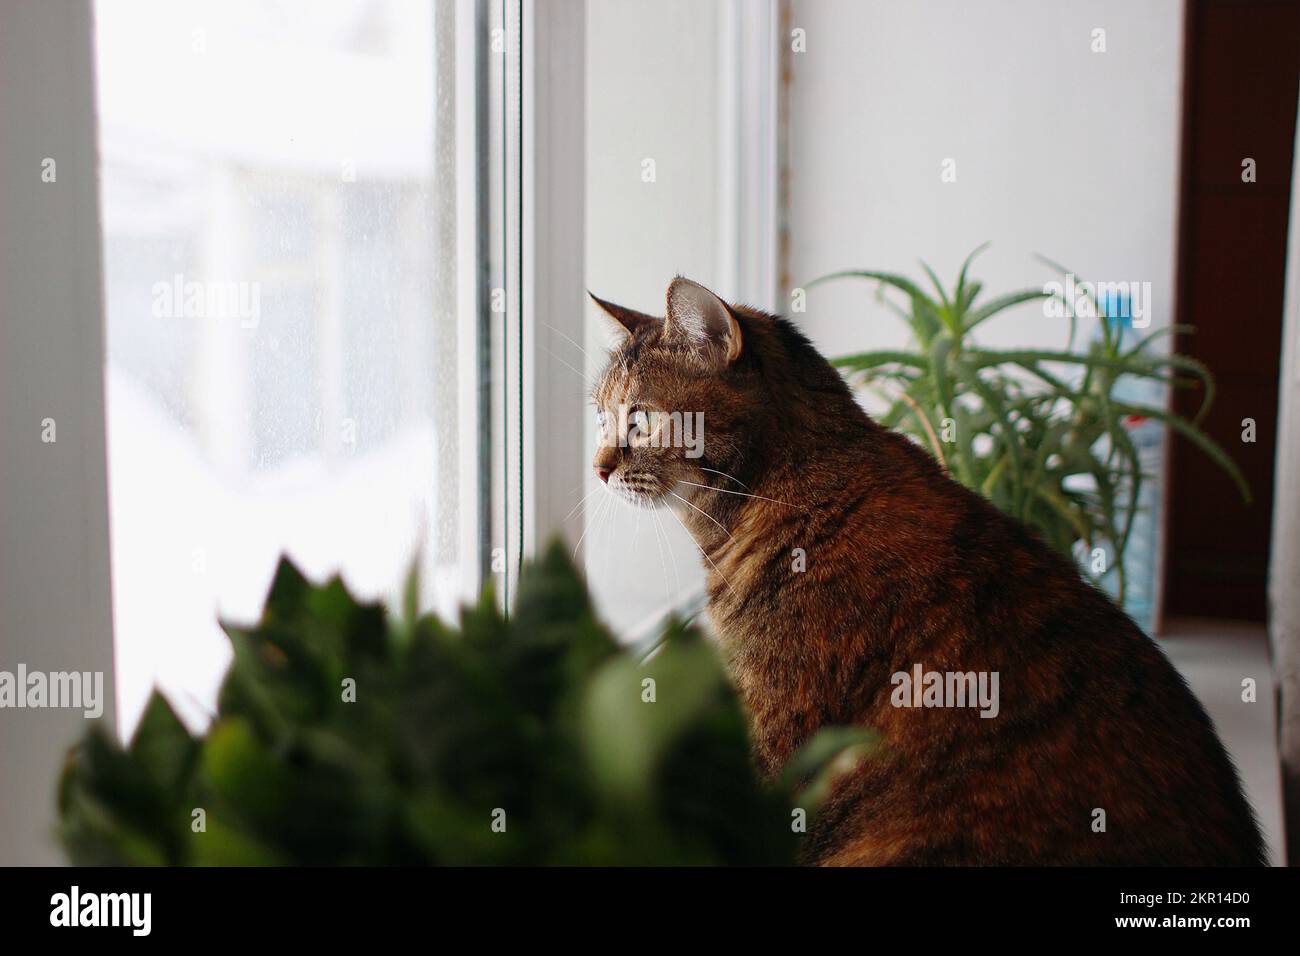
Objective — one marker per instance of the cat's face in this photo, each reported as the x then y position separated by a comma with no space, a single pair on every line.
671,409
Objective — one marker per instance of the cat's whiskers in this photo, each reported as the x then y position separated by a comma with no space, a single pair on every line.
582,375
724,475
701,511
610,526
658,547
581,503
567,339
702,551
589,524
677,578
743,494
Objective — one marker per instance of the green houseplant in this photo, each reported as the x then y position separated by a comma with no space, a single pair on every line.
1039,432
345,735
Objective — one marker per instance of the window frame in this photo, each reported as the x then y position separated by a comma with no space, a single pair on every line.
474,242
54,545
552,200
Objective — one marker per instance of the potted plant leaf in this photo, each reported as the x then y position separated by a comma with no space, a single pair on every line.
1042,433
345,735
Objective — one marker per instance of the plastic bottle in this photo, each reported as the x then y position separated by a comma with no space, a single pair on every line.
1142,555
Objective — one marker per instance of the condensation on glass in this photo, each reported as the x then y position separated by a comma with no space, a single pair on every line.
279,257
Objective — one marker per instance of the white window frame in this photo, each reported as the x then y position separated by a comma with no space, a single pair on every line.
54,554
473,292
553,96
749,174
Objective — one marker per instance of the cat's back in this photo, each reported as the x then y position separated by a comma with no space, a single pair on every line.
1093,752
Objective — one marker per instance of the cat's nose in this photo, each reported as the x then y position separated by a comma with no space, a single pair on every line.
605,461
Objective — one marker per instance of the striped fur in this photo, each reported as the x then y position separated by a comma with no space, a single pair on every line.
903,566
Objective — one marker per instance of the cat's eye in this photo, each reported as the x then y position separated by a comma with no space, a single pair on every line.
638,424
600,419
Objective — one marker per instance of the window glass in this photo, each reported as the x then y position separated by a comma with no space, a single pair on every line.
280,270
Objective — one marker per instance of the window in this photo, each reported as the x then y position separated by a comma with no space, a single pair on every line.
344,293
291,268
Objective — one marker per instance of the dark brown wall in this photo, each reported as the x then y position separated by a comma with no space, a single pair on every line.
1241,73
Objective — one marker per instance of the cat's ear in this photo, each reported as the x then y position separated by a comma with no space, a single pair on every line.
705,322
629,319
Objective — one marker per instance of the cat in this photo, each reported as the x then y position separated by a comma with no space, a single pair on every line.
843,564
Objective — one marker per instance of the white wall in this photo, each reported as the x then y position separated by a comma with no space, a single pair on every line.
1059,151
54,579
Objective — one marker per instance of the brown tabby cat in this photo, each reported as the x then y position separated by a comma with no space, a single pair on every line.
844,566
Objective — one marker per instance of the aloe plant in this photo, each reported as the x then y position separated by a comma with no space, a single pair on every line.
344,735
1039,432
